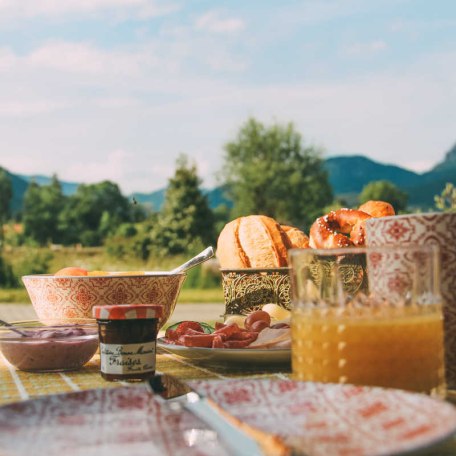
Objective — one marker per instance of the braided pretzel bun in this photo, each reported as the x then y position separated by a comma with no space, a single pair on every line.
255,241
377,208
298,239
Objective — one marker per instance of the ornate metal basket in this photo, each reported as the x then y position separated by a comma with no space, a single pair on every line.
352,270
246,290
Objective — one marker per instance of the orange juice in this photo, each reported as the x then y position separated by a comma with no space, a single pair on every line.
389,347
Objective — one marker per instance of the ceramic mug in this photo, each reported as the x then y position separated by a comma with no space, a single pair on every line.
427,229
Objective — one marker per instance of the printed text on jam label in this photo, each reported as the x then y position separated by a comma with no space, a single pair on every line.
128,358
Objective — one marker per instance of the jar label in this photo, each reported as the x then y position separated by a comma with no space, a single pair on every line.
127,358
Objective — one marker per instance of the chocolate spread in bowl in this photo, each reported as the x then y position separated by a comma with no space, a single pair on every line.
50,349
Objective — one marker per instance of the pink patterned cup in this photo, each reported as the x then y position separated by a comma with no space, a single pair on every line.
427,229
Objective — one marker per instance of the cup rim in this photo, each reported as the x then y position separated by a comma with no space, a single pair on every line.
53,324
59,322
414,215
117,276
412,247
252,270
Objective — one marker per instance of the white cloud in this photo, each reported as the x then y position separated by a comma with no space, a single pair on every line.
213,21
142,9
7,59
314,12
110,166
84,58
90,114
223,61
415,26
28,108
371,47
117,102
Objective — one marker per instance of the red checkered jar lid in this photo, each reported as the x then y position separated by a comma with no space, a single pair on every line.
127,311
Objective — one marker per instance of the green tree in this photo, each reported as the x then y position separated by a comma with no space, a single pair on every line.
31,211
94,212
41,210
222,215
269,171
384,191
6,193
7,277
185,222
446,201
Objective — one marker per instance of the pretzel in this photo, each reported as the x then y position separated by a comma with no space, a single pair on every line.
329,231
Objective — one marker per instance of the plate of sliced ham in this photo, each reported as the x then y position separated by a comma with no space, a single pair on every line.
238,355
229,342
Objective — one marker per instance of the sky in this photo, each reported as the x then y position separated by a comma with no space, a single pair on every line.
117,89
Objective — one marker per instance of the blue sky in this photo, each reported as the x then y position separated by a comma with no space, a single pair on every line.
117,89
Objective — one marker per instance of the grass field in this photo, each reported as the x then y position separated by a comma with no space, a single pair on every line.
202,285
186,295
91,258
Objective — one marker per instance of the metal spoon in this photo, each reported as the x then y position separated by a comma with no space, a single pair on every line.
13,328
205,255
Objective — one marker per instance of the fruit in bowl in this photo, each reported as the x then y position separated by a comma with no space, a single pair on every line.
50,345
70,293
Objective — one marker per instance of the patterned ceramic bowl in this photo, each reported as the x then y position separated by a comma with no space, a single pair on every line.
246,290
74,296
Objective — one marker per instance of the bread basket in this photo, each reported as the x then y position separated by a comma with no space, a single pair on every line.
246,290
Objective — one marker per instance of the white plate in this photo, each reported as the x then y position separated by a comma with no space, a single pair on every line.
241,355
314,418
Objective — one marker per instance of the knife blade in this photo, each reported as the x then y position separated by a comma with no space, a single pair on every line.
181,395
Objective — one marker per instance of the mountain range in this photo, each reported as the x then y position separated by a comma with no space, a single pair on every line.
347,175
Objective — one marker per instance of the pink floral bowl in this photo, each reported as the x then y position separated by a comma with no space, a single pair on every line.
74,296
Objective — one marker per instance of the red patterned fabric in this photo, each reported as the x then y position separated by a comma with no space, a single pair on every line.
427,229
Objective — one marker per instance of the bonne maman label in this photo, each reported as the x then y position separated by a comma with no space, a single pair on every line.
127,358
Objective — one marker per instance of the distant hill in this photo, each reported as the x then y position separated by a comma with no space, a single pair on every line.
153,201
68,188
347,175
433,181
156,199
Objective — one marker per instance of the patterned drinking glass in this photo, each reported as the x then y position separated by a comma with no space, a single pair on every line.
368,316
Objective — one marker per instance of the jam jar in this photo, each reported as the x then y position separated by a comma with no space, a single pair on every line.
128,338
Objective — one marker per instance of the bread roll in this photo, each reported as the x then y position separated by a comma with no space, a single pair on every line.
298,239
255,241
377,208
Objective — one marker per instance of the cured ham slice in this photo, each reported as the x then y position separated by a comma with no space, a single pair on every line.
272,338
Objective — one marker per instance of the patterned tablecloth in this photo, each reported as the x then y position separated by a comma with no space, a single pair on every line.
18,386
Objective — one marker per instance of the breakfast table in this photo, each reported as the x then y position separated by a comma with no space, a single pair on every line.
20,391
18,386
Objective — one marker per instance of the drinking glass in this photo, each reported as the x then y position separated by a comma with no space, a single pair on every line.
368,316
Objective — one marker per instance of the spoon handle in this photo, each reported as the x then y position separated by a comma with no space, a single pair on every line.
10,326
200,258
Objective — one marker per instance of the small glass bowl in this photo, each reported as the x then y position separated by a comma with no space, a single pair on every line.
49,345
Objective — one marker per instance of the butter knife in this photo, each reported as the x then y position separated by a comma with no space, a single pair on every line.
180,394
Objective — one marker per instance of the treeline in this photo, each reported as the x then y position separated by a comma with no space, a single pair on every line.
98,214
266,170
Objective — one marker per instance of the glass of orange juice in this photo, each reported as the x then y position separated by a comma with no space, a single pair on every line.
368,316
